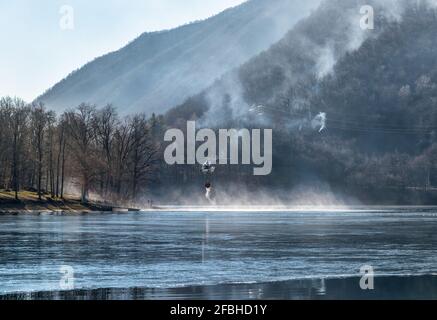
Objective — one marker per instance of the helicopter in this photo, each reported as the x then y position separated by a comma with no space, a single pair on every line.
208,169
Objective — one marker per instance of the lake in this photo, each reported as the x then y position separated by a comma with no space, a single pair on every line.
164,253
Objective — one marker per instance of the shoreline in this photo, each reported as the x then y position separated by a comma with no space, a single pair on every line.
29,204
94,208
71,205
386,288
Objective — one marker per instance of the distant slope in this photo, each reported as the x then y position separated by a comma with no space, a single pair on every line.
159,70
378,90
289,70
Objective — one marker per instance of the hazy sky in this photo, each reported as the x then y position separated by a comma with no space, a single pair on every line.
36,52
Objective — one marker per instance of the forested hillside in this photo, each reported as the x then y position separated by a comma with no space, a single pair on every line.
377,89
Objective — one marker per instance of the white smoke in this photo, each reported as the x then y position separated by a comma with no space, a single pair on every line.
210,196
225,101
326,61
347,36
319,122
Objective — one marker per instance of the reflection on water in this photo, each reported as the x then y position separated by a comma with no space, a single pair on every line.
206,251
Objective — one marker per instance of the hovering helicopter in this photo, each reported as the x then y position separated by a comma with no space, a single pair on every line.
208,169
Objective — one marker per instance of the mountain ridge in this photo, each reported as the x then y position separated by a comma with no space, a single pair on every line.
161,69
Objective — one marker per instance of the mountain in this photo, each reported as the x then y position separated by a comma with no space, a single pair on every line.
288,70
161,69
376,88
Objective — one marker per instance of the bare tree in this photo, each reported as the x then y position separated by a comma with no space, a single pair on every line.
19,121
105,123
39,121
6,111
51,119
81,136
60,162
122,148
143,153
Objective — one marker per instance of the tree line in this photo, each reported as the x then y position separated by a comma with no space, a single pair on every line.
85,148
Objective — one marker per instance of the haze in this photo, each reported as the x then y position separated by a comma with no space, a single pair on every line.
36,53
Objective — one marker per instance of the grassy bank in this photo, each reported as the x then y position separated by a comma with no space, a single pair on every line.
28,201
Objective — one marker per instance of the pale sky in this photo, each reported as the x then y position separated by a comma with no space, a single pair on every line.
36,52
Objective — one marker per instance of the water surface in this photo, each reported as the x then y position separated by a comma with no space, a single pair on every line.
181,249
